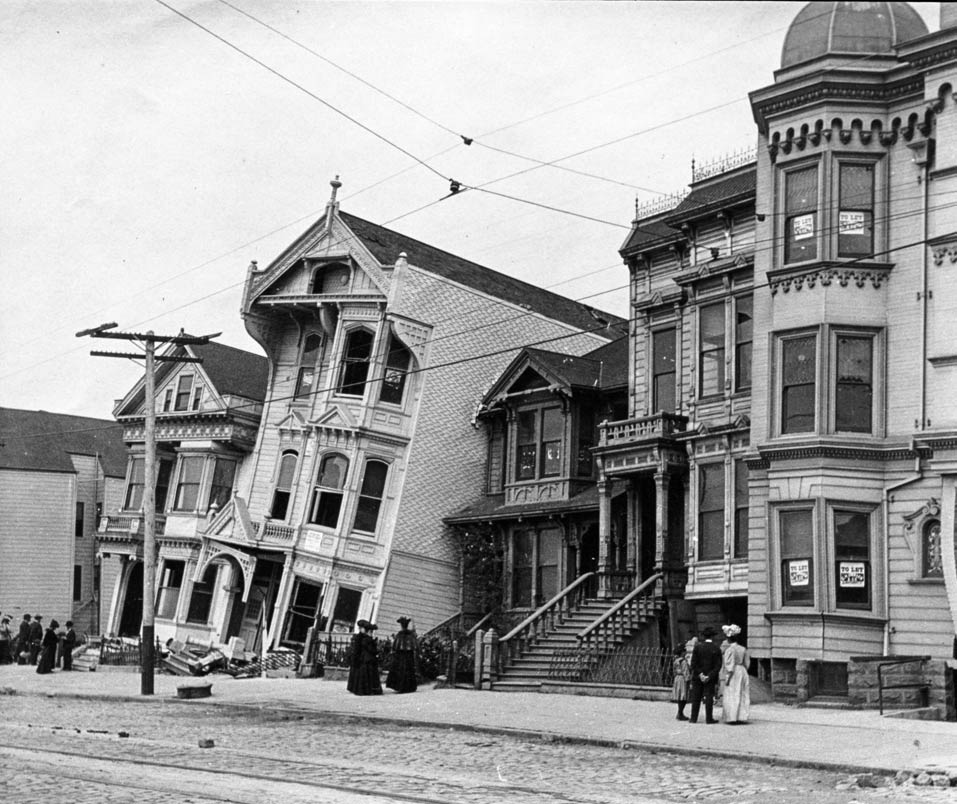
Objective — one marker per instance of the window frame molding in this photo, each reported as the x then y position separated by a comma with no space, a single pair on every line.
388,462
298,397
856,158
345,335
875,559
825,380
316,490
776,585
674,327
782,172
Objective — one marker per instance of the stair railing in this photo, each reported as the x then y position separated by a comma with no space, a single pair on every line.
621,619
528,631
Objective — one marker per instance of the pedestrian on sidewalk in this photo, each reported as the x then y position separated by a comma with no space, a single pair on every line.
736,705
69,643
705,667
36,637
23,640
6,640
364,666
403,673
682,674
48,648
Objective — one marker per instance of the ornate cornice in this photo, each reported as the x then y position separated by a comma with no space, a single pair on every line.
826,273
841,452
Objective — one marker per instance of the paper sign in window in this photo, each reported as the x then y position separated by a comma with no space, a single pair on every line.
799,572
852,574
803,227
851,223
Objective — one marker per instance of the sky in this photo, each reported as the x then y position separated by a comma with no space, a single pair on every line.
146,160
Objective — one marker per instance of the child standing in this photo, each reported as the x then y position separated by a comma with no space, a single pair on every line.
682,674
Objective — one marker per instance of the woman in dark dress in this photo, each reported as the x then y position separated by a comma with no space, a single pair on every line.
48,648
402,675
364,668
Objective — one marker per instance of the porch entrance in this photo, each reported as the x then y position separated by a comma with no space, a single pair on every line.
131,617
250,621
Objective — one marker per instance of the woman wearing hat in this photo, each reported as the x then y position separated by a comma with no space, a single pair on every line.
48,648
736,704
364,667
6,640
402,675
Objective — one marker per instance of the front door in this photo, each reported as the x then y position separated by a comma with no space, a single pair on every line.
132,615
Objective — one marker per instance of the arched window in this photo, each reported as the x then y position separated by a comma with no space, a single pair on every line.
354,370
306,381
932,557
283,489
370,496
328,491
397,362
331,278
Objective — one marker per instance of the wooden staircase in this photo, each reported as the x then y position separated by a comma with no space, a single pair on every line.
569,632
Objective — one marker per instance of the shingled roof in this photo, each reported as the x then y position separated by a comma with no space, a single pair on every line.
39,441
386,245
602,368
234,371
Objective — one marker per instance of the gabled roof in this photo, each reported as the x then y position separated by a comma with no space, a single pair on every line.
601,369
386,245
234,371
35,440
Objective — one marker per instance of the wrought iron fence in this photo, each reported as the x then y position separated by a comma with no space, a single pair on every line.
646,667
124,652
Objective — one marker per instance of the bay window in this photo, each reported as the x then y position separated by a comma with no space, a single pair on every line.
397,362
370,496
539,443
854,384
801,214
356,356
283,488
796,539
188,484
798,384
328,491
852,559
308,358
135,484
221,489
855,225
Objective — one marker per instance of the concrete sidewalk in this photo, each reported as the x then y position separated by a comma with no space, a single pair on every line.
846,740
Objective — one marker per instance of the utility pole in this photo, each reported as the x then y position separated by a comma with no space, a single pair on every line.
148,341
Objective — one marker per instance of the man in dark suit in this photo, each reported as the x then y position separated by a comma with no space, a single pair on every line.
705,667
23,640
36,637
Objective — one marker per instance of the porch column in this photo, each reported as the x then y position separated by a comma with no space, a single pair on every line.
604,538
632,526
662,484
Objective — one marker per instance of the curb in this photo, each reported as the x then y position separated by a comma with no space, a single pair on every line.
527,734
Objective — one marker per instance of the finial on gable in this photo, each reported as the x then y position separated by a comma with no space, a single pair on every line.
333,206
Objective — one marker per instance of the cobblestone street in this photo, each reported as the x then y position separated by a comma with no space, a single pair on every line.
56,750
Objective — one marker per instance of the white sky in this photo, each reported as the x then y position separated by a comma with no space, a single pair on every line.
145,163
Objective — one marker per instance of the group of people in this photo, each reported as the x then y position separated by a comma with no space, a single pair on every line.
709,665
364,677
34,645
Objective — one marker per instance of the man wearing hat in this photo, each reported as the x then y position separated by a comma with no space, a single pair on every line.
705,667
23,640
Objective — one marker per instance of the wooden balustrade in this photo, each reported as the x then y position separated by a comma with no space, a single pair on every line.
622,619
517,641
630,430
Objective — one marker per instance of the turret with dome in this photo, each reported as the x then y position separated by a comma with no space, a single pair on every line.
849,29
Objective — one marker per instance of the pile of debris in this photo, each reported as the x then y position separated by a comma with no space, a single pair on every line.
192,658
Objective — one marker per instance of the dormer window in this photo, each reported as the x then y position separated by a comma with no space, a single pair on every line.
354,369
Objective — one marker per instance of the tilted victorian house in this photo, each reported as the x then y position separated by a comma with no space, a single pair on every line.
379,347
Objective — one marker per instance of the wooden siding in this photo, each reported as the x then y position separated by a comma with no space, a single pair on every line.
36,543
402,593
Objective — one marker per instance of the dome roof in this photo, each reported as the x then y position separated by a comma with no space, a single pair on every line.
823,28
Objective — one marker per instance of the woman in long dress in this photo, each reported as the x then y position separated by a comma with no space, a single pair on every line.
402,674
364,667
48,648
736,705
